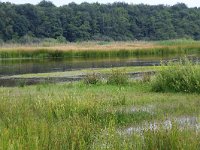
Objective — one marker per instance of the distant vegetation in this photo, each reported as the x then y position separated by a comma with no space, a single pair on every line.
118,21
100,49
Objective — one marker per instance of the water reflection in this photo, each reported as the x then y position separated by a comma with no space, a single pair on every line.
23,66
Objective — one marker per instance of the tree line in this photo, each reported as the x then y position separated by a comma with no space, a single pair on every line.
94,21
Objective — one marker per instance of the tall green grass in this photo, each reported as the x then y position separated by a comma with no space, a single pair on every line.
173,139
183,76
159,139
49,117
76,116
179,42
45,53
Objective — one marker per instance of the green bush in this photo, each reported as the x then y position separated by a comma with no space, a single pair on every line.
92,78
182,76
118,77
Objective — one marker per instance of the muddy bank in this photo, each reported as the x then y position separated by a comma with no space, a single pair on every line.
17,81
12,82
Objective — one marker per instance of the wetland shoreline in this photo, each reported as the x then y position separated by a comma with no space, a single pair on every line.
13,81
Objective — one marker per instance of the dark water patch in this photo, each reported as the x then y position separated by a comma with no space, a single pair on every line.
25,66
15,67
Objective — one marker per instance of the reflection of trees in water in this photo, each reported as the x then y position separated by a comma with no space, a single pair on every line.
11,67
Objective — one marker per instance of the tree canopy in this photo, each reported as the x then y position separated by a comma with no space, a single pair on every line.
117,21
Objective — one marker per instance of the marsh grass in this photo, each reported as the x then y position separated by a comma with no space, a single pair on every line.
160,139
118,77
182,76
146,77
173,139
92,78
118,53
78,116
40,118
179,42
95,50
115,77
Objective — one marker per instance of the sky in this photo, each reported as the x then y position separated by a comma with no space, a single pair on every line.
189,3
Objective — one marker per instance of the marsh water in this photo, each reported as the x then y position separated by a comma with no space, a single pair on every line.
9,67
24,66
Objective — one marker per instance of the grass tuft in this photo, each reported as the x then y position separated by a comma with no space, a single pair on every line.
118,77
182,76
92,78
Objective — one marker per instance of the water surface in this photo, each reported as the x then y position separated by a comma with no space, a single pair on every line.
25,66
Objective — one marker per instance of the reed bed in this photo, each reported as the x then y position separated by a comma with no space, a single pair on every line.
95,50
81,46
45,53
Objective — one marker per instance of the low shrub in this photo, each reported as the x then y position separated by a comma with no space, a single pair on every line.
92,78
182,76
146,77
118,77
21,83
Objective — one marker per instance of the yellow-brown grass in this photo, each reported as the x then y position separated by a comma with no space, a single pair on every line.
83,46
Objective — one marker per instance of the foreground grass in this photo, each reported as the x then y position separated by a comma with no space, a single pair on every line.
78,116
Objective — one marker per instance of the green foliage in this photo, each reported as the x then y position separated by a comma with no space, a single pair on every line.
180,76
61,39
28,39
102,22
118,77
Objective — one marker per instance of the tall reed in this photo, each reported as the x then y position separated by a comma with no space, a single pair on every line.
49,53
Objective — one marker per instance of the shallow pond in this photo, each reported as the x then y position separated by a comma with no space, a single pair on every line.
9,67
182,122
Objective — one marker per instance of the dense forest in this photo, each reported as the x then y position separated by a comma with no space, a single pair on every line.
80,22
